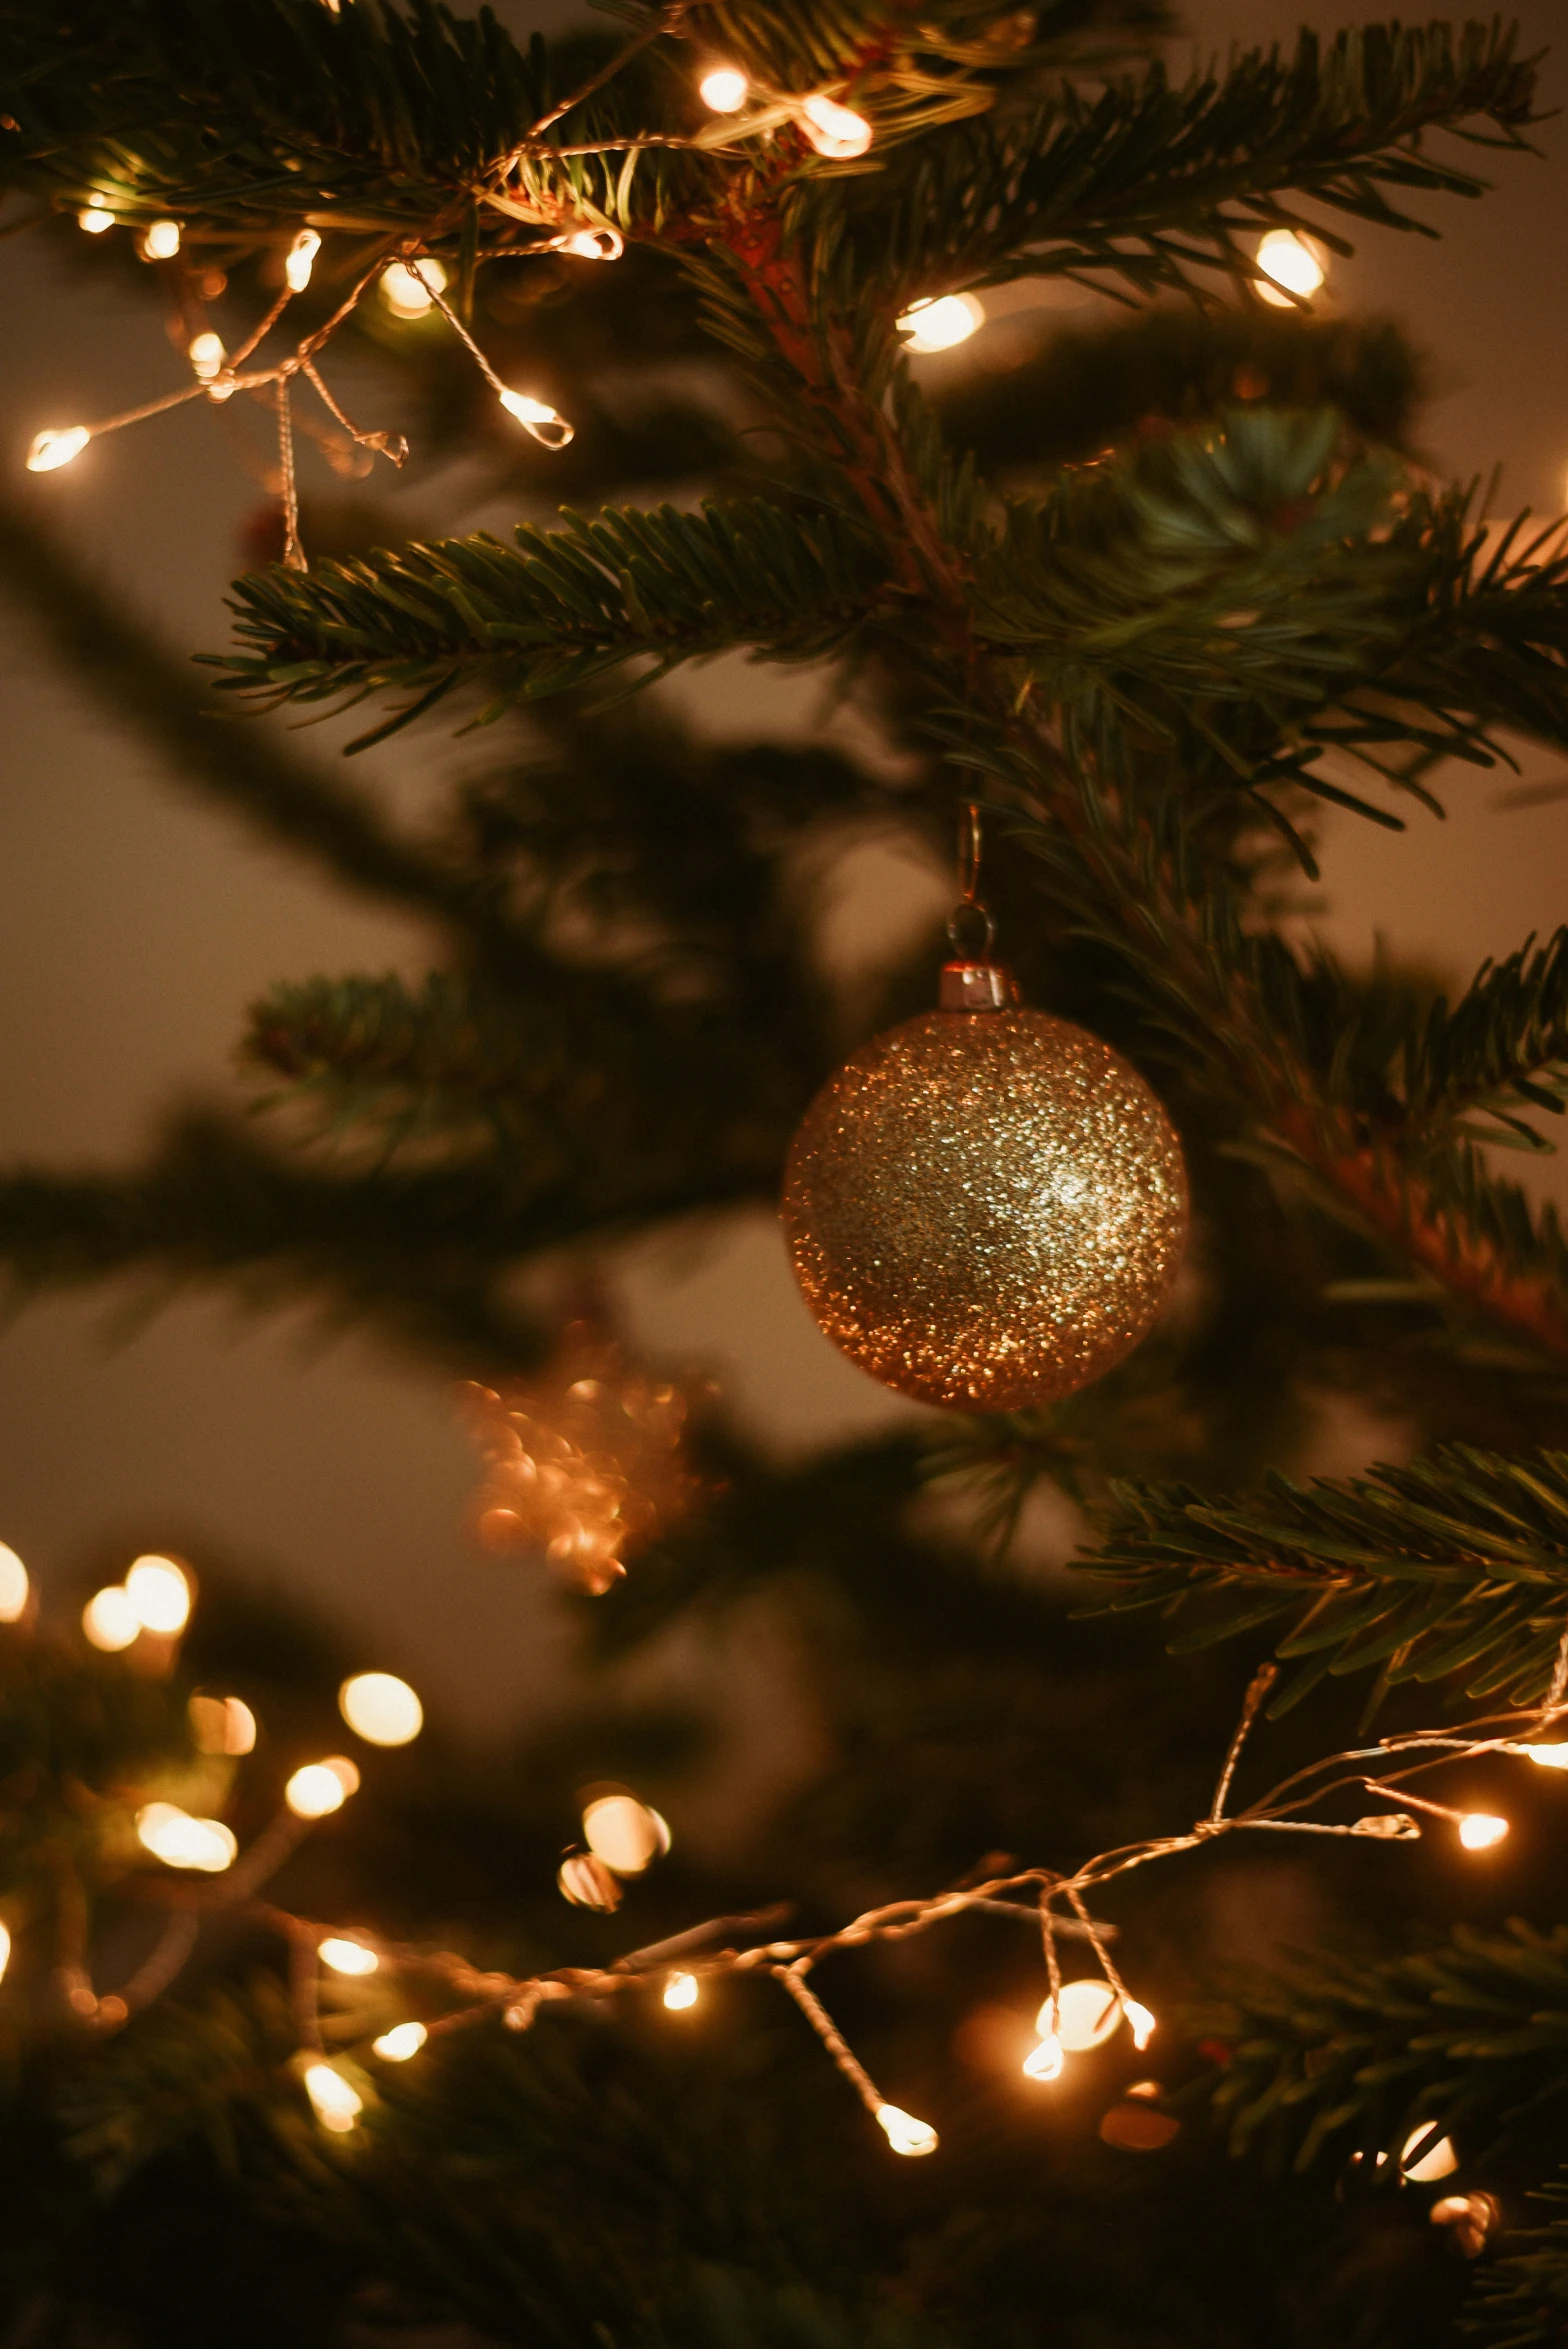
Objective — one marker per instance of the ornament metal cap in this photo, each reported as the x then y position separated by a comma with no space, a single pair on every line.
977,986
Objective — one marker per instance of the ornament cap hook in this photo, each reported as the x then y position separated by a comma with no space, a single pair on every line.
976,986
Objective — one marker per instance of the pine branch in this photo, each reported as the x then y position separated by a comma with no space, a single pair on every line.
1454,1568
1521,2299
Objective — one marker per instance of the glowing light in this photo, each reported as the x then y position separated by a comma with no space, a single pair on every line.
1292,262
1439,2161
180,1841
1140,2023
941,324
110,1621
160,1594
1479,1830
680,1990
624,1833
95,220
222,1725
337,2105
5,1950
161,241
1550,1757
595,244
834,130
1392,1826
13,1586
402,2041
300,260
408,293
207,354
1087,2013
1047,2061
51,450
545,425
381,1709
584,1880
904,2133
724,89
347,1957
320,1788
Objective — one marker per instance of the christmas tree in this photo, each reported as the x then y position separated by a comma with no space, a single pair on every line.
303,2040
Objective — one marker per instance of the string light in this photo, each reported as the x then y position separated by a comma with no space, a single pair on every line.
13,1587
402,2041
206,355
904,2133
836,131
160,1595
536,417
680,1992
347,1957
1479,1830
180,1841
161,241
50,450
300,260
110,1621
1086,2014
724,89
584,1880
381,1709
1439,2160
222,1725
320,1788
95,219
337,2104
624,1833
411,293
1550,1757
1292,263
5,1950
594,244
940,324
1140,2022
1047,2061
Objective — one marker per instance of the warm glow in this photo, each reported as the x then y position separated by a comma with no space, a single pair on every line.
13,1586
162,241
381,1709
903,2132
95,220
1550,1757
680,1990
347,1957
1045,2062
160,1595
940,324
595,244
402,2041
535,417
1479,1830
834,130
110,1621
207,355
584,1880
1087,2013
180,1841
320,1787
1439,2161
51,450
1292,262
5,1949
724,89
338,2106
624,1833
408,293
301,259
222,1725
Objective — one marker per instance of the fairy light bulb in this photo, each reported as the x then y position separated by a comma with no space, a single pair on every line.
300,260
206,355
319,1788
1140,2022
410,293
595,244
904,2133
1479,1830
222,1725
52,449
337,2104
402,2041
1550,1757
680,1991
180,1841
95,218
1047,2061
5,1950
1087,2014
836,131
547,427
13,1586
160,1595
1292,263
624,1833
381,1709
942,323
110,1621
724,89
161,241
1439,2160
345,1956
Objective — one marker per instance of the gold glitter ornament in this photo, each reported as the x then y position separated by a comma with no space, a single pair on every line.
986,1207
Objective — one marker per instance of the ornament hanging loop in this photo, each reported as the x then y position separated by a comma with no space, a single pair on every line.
972,981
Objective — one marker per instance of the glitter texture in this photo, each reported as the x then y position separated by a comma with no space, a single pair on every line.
986,1209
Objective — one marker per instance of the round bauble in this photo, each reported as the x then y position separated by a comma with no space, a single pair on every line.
986,1208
